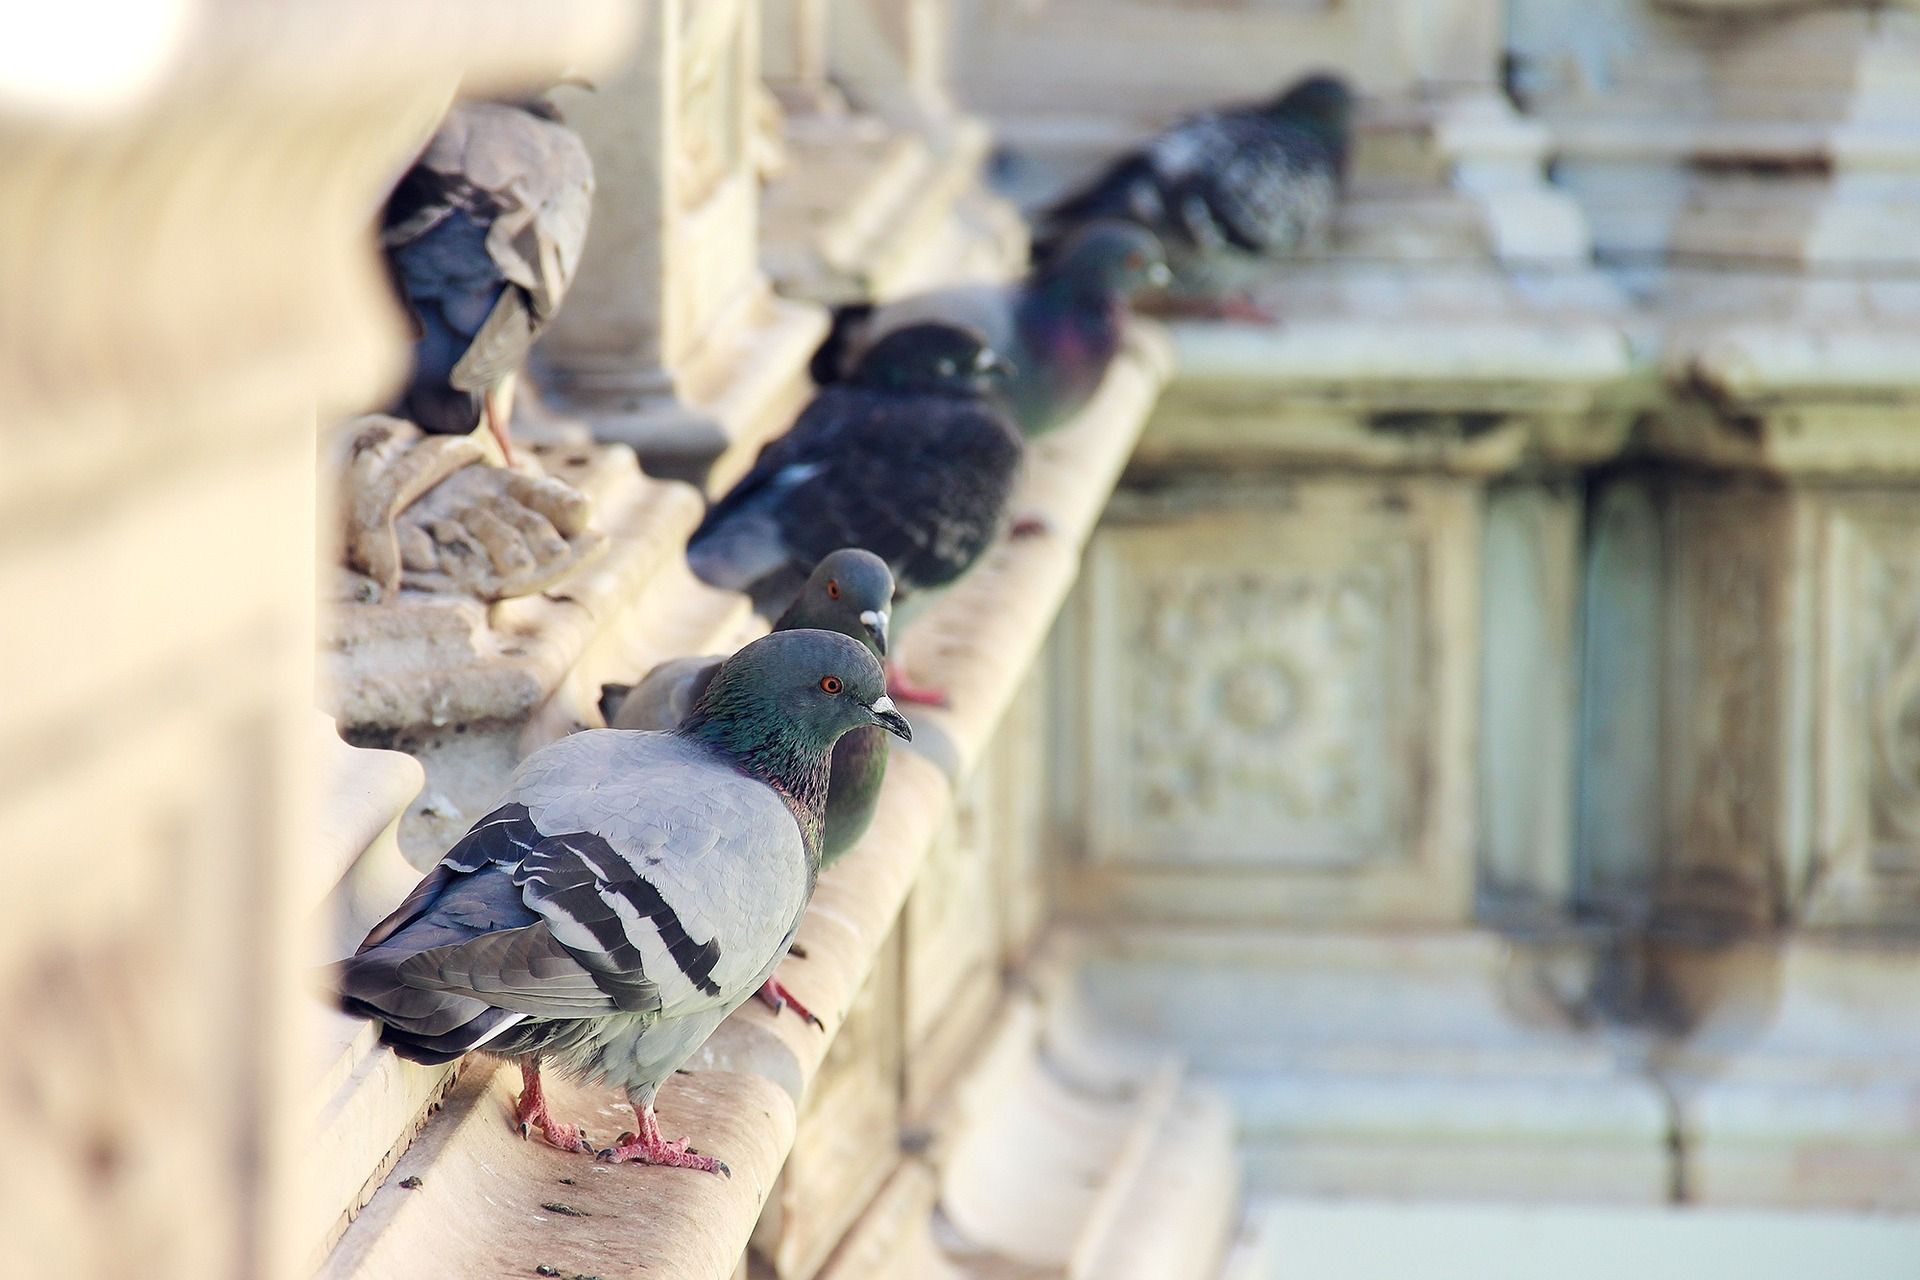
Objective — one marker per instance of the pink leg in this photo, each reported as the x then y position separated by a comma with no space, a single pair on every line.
490,403
905,690
774,994
648,1147
531,1113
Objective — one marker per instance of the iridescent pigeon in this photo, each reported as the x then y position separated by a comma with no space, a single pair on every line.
1226,191
1058,329
628,891
483,235
910,459
850,592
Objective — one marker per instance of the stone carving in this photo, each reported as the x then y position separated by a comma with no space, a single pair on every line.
1867,751
427,513
1268,710
711,145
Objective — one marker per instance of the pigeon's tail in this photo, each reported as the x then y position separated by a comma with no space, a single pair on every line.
421,1026
835,356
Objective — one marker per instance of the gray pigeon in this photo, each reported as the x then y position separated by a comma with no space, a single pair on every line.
910,460
629,890
1058,329
850,592
1225,191
483,235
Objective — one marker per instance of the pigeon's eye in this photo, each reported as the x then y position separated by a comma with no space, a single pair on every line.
1136,263
833,588
830,683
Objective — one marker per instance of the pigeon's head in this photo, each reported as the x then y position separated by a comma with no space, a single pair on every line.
1110,258
792,694
851,591
931,357
1321,100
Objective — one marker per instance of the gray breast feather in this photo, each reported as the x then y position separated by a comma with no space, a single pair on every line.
703,868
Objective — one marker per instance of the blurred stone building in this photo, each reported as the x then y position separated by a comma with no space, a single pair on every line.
1459,742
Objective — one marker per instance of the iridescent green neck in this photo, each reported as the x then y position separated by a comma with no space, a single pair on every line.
766,747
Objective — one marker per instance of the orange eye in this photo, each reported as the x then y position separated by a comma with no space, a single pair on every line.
830,683
833,588
1135,262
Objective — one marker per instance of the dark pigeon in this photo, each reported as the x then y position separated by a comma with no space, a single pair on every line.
1058,329
629,890
910,459
1225,190
483,236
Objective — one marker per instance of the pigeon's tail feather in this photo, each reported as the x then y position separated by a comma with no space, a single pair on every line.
421,1026
835,356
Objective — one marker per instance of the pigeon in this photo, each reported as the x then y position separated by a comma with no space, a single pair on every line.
1225,191
482,236
850,592
1058,329
910,459
629,890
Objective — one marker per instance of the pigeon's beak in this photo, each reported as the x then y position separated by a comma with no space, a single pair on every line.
1159,275
990,363
875,621
889,718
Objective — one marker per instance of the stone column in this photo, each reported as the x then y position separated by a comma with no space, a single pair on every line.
670,340
186,274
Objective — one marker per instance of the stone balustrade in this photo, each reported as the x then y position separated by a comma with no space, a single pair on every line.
1457,741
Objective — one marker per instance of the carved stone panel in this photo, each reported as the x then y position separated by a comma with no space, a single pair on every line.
950,978
1281,689
1865,859
848,1140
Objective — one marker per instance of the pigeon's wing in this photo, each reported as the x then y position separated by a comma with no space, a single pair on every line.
741,541
663,877
665,694
1247,180
485,233
922,481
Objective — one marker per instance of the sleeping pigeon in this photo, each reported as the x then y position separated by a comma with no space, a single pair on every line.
1058,329
909,459
1224,190
483,235
629,890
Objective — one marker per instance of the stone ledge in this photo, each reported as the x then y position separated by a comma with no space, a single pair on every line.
741,1098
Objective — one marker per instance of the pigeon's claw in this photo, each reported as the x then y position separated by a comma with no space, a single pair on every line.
1030,526
774,994
904,689
647,1147
530,1111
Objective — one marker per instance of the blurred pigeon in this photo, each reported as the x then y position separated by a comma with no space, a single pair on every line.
1224,190
629,891
483,235
850,592
1058,329
910,459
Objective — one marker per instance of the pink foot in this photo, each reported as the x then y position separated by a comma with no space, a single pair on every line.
1031,526
904,689
648,1147
531,1113
774,994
